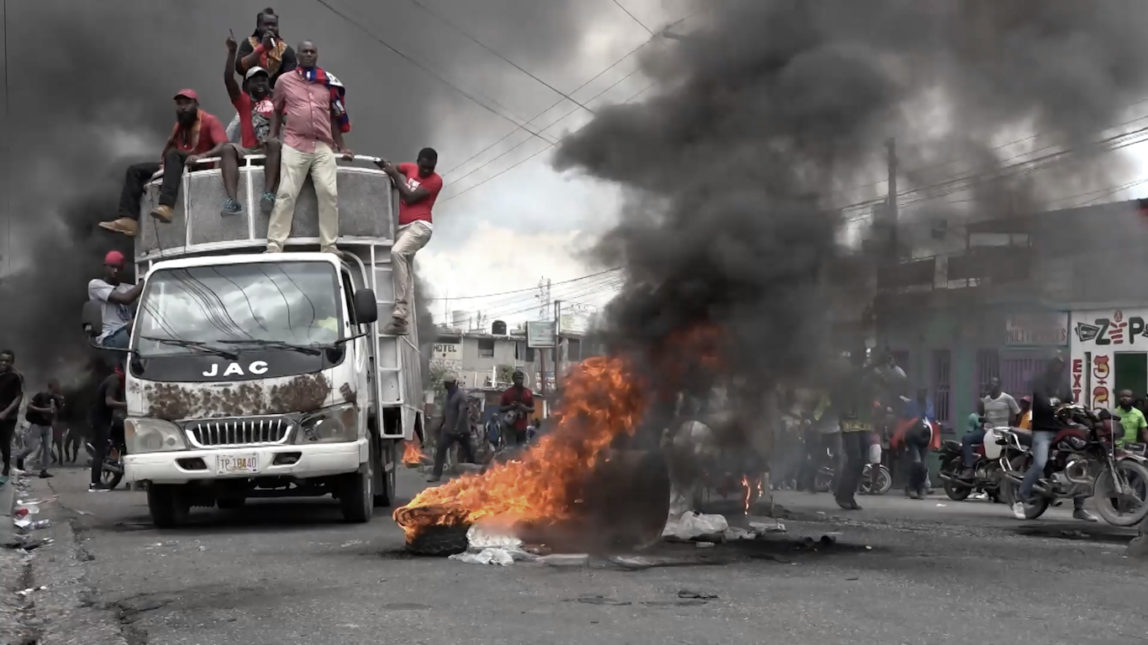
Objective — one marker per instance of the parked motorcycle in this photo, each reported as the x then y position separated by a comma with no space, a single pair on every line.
987,471
1082,462
872,483
113,469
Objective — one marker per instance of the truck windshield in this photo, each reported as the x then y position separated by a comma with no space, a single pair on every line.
223,306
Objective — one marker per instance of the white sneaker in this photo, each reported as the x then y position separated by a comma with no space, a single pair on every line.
1018,511
17,471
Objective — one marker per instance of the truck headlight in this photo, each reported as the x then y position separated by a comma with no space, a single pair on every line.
152,435
329,425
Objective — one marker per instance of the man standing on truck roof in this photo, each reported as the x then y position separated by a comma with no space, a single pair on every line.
455,426
116,299
418,185
254,105
312,101
196,134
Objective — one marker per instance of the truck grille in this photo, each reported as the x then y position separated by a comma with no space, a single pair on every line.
239,432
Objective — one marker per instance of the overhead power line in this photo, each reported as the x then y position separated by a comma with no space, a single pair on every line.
435,74
633,17
526,289
600,74
498,54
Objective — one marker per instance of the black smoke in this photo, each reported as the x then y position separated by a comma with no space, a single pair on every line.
761,118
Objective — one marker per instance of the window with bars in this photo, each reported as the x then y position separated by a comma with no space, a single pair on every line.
988,368
942,390
486,348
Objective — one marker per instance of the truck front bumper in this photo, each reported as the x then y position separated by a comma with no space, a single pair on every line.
301,462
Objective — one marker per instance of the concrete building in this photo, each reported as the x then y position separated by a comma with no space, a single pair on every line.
998,305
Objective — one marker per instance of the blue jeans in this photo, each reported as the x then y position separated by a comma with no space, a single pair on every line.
1041,445
118,340
969,441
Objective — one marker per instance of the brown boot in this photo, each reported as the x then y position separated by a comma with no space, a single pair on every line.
163,213
125,225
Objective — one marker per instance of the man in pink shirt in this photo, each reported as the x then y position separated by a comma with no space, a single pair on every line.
418,186
311,100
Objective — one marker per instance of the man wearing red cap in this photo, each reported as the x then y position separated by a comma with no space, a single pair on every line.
196,134
116,299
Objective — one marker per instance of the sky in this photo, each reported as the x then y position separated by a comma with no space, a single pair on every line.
418,72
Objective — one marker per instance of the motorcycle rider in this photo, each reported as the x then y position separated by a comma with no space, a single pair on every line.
1044,429
1000,410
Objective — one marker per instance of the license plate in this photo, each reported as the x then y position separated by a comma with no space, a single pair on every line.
231,464
856,426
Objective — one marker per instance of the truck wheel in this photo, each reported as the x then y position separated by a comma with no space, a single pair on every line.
167,505
230,503
388,457
357,496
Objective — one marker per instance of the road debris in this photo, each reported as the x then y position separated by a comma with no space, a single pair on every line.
500,557
696,595
691,526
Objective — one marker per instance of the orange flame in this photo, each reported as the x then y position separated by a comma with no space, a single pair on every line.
752,490
412,453
601,401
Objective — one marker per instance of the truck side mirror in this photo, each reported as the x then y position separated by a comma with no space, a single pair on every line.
366,309
92,318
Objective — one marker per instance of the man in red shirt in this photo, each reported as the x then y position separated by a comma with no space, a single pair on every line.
516,406
418,185
196,135
253,103
312,103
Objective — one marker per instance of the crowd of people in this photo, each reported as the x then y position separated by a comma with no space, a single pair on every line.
292,115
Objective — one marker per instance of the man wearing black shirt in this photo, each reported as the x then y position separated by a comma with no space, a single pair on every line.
11,394
41,414
1044,428
108,411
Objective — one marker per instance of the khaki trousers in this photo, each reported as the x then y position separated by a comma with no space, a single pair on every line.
411,238
294,166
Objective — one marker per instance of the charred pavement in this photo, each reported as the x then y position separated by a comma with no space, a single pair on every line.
291,572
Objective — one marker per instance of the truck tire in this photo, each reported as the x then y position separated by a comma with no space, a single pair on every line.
230,503
388,457
357,496
167,505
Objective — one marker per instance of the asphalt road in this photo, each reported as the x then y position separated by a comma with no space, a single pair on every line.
901,571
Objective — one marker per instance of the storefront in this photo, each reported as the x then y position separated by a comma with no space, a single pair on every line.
1109,354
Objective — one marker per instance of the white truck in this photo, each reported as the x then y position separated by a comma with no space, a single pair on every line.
265,375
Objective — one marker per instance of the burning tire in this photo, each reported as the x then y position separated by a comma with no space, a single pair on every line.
439,541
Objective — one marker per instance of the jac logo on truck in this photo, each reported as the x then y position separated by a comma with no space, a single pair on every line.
235,369
1112,331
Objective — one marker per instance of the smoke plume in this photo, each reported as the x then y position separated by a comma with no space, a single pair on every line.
761,120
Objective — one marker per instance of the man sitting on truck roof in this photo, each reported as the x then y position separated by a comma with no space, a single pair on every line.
116,299
254,105
312,101
418,185
196,134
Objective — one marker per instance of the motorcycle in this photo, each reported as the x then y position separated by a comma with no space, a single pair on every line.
873,482
1082,462
112,471
987,471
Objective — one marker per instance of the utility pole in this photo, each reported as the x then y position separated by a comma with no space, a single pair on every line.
557,345
891,198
